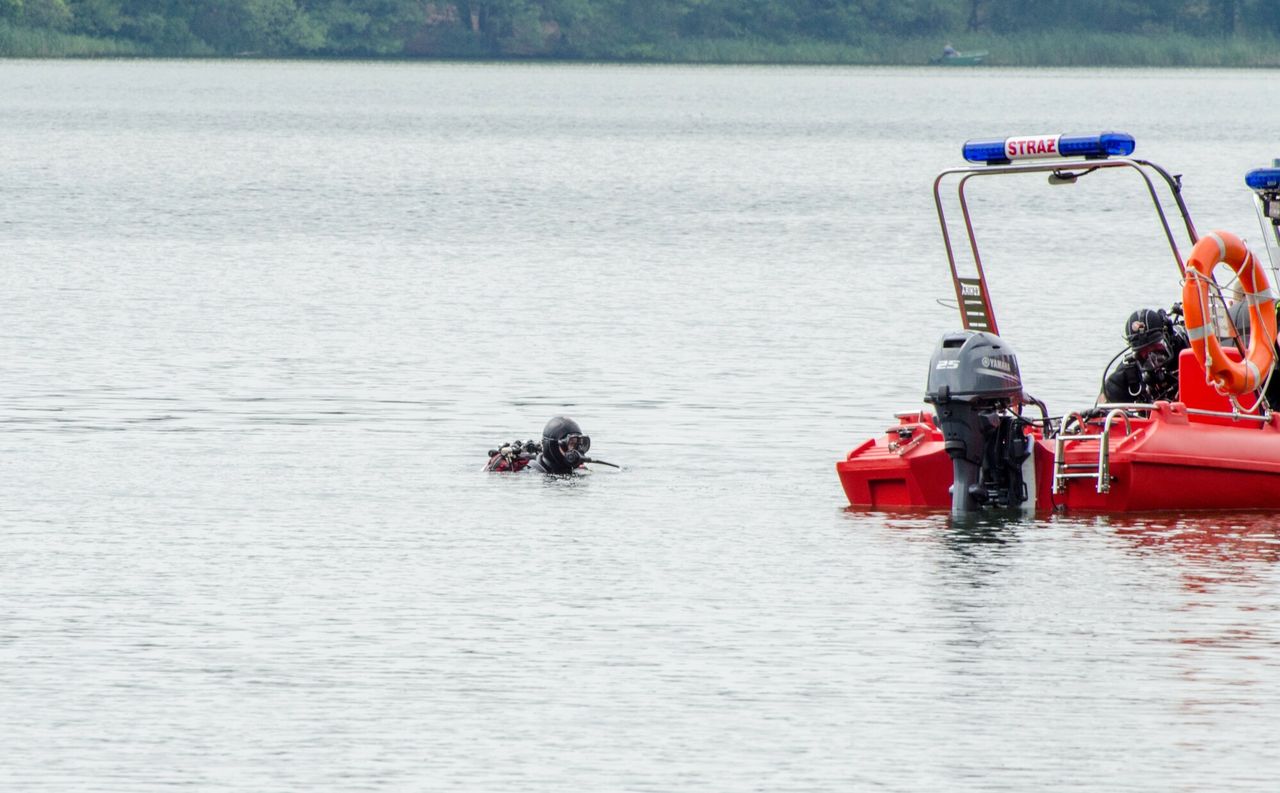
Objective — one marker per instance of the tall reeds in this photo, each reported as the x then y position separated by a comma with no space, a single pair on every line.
16,42
1042,49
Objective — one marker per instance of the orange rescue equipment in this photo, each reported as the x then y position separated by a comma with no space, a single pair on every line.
1233,377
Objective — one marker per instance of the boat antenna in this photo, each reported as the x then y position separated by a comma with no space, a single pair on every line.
1265,184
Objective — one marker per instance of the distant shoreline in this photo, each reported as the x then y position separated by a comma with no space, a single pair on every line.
563,61
1044,49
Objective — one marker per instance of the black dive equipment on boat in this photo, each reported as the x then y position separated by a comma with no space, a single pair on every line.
1148,370
975,387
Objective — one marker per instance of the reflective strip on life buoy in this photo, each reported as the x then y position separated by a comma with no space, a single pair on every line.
1234,377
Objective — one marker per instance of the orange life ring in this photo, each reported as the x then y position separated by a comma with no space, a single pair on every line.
1234,377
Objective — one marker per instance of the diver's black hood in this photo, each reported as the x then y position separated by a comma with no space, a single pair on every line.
552,459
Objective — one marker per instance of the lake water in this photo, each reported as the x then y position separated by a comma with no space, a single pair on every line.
261,321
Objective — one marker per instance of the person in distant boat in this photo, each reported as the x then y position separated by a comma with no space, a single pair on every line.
949,51
561,452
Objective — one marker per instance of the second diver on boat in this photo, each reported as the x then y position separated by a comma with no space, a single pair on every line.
1148,368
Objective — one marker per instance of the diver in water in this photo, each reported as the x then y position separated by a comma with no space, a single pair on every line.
562,451
563,447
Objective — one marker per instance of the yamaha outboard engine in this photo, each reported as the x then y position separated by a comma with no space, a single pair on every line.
974,383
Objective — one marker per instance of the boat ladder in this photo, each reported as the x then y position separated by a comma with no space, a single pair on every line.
1099,471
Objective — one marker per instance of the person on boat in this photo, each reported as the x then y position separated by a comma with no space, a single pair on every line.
949,51
561,452
1148,370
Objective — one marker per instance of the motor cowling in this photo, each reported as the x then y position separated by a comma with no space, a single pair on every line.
975,385
971,365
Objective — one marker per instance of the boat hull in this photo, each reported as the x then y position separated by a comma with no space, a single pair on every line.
1168,459
963,59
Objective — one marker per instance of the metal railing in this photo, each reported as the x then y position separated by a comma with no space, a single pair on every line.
1062,470
1101,471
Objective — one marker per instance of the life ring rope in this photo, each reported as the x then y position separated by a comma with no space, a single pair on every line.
1228,377
1203,331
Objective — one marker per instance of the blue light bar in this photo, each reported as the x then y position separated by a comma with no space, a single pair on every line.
1263,179
1040,147
1108,144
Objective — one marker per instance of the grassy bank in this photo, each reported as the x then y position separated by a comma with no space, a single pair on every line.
1042,49
1058,49
16,42
1109,49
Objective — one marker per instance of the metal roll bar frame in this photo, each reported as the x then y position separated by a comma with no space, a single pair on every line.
1066,171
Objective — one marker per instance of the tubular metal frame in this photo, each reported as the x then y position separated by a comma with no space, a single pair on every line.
1270,235
1075,169
1100,472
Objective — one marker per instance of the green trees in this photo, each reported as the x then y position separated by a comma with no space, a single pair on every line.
605,28
272,27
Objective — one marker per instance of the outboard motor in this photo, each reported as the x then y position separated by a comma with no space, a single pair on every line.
974,383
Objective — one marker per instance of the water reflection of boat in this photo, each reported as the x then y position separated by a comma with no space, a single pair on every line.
973,58
1207,552
1224,537
1212,443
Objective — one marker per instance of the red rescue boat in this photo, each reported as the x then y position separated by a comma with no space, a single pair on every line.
1202,435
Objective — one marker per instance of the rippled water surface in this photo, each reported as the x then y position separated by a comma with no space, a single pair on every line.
260,322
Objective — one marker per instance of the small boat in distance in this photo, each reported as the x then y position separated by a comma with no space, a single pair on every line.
974,58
